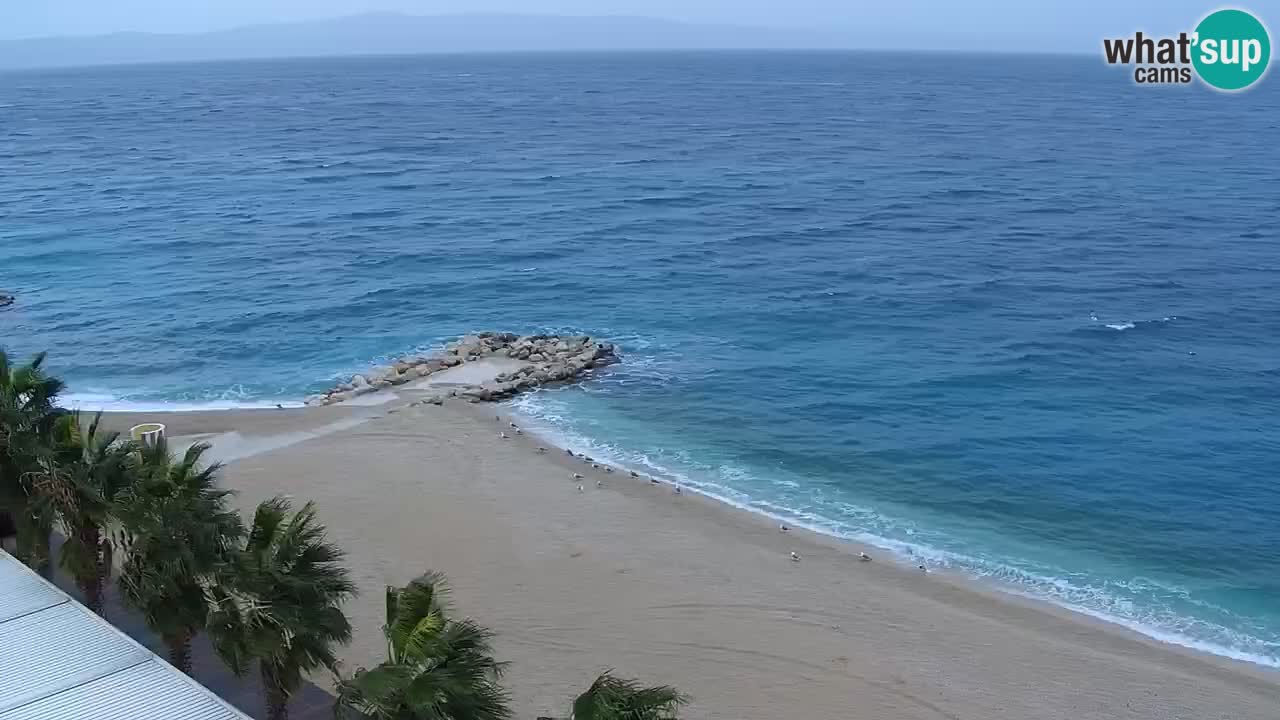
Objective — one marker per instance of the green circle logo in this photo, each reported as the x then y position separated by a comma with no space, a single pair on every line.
1232,49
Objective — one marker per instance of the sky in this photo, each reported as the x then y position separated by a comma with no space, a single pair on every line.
1017,25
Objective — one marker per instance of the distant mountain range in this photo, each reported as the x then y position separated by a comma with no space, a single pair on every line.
393,33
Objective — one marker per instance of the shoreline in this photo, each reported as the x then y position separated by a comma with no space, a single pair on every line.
376,405
1002,592
464,437
1006,590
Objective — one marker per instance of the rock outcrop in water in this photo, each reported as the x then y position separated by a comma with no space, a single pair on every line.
533,360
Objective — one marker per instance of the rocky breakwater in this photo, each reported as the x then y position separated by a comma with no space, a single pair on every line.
519,363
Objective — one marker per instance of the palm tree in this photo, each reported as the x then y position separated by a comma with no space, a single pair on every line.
436,669
612,698
176,532
27,414
278,602
90,469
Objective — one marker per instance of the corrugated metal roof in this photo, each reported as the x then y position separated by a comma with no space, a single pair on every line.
22,591
143,692
62,662
48,651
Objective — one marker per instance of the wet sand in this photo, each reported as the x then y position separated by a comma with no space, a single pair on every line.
683,590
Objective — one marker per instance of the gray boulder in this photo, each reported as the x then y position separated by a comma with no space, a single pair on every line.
474,391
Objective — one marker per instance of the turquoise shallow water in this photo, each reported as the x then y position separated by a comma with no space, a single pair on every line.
1013,315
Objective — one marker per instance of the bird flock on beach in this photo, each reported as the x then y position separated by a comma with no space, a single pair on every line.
676,489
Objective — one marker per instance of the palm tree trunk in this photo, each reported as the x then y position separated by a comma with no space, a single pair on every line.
7,527
44,553
179,650
33,540
91,577
277,698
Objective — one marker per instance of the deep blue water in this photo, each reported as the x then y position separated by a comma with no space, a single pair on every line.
1013,314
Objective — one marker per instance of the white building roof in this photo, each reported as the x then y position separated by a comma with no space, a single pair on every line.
62,662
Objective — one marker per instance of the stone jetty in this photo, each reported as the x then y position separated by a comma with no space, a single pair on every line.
482,367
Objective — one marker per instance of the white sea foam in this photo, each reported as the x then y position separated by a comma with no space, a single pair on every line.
1131,324
549,416
95,401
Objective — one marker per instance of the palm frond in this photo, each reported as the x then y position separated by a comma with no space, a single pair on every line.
437,668
277,599
407,608
377,693
614,698
180,529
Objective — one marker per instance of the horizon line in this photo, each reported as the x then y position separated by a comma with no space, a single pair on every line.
817,31
566,51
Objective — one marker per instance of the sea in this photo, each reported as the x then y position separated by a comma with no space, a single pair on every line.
1012,316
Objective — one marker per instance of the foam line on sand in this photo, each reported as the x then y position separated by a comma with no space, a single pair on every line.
684,590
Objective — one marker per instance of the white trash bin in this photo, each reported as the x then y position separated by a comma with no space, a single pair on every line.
147,433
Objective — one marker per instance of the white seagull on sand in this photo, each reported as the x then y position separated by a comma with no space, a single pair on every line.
579,488
795,556
783,528
502,435
576,476
541,450
864,557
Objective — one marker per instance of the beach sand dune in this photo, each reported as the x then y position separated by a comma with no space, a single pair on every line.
680,589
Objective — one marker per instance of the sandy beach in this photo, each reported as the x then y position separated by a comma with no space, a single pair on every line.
682,589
